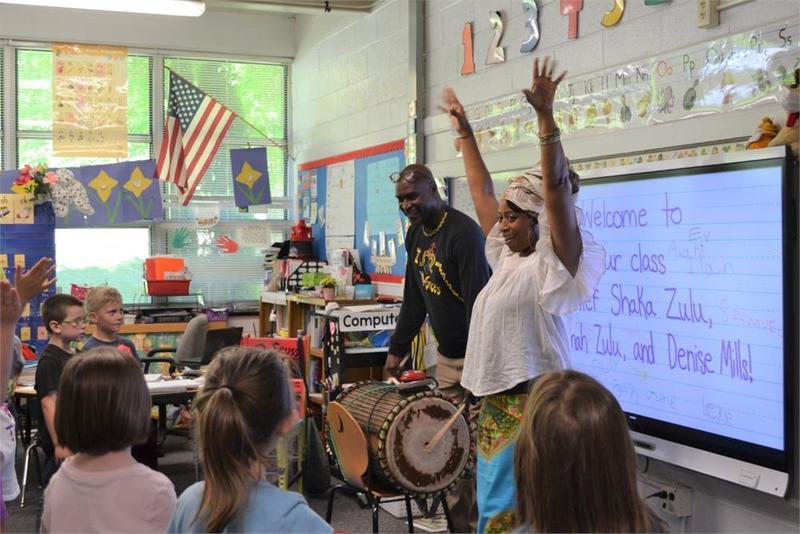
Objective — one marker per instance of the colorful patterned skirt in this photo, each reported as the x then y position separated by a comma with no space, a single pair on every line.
498,427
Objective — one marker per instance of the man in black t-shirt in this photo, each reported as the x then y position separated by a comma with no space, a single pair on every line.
64,320
445,271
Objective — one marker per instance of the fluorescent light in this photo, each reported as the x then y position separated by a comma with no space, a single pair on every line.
184,8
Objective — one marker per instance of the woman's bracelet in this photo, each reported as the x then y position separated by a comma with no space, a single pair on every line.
551,138
470,134
546,137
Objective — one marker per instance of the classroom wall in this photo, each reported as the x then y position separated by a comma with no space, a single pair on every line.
350,81
338,107
643,32
225,32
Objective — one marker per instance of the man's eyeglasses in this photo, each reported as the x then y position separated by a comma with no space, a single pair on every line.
76,322
408,177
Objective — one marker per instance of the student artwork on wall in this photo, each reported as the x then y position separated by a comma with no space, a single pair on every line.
363,213
90,101
250,176
24,245
100,195
727,74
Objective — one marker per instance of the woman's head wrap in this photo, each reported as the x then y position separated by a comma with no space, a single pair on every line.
526,191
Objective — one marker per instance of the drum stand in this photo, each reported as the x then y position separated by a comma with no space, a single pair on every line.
374,500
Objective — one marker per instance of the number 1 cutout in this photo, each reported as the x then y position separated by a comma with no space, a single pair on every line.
468,67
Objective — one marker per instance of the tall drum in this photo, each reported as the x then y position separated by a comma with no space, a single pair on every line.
398,427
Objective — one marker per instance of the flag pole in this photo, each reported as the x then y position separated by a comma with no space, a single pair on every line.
248,123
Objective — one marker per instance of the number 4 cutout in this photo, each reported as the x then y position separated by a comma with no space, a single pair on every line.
570,8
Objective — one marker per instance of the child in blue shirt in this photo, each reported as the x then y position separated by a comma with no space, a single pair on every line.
244,407
104,308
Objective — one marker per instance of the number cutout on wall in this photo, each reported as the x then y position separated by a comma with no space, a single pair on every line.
468,67
532,24
496,52
612,17
570,8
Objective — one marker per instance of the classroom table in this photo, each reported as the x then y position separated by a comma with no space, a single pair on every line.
162,394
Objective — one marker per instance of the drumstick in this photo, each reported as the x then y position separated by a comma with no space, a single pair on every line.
440,434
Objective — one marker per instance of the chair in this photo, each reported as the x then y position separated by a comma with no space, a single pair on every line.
33,407
350,448
190,349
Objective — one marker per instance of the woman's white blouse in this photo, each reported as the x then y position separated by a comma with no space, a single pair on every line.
516,331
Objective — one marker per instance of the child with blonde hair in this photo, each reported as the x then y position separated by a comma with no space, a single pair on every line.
103,409
104,308
244,407
575,466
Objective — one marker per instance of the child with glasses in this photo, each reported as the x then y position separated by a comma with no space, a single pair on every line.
64,320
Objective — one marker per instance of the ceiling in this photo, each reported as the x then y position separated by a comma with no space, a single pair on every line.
308,7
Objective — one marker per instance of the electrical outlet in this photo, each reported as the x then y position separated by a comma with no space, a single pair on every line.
707,13
678,500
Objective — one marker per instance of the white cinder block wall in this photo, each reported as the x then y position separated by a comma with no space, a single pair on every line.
350,92
643,32
349,81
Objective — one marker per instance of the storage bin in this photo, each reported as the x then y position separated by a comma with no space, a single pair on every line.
167,288
155,267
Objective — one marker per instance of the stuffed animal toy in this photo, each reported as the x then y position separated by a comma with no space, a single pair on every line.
789,96
68,191
766,132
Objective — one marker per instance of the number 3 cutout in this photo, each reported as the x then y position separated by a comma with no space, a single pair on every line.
532,23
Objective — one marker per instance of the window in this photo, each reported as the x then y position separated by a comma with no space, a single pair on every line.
227,257
103,256
35,111
256,92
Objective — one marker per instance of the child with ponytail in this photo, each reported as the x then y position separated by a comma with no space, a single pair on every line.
244,407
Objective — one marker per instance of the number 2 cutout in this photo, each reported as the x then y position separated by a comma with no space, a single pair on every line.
496,53
532,23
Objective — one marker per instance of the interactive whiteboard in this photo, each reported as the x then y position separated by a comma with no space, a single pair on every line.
690,326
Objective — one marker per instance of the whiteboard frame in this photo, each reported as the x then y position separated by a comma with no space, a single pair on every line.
747,474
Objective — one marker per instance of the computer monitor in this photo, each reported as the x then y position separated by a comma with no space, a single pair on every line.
220,338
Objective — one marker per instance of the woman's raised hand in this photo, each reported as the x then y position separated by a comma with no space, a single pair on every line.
542,93
458,118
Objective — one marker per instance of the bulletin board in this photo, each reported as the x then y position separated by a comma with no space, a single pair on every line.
26,244
349,202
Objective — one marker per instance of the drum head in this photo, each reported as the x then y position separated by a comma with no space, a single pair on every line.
416,469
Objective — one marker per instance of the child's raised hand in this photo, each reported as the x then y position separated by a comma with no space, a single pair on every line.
10,304
35,280
543,88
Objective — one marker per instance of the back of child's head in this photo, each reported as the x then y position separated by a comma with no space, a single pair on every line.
56,308
575,465
103,403
243,404
97,297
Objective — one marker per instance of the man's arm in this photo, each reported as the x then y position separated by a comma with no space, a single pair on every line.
409,321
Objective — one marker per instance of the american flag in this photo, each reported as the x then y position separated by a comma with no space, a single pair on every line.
195,127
